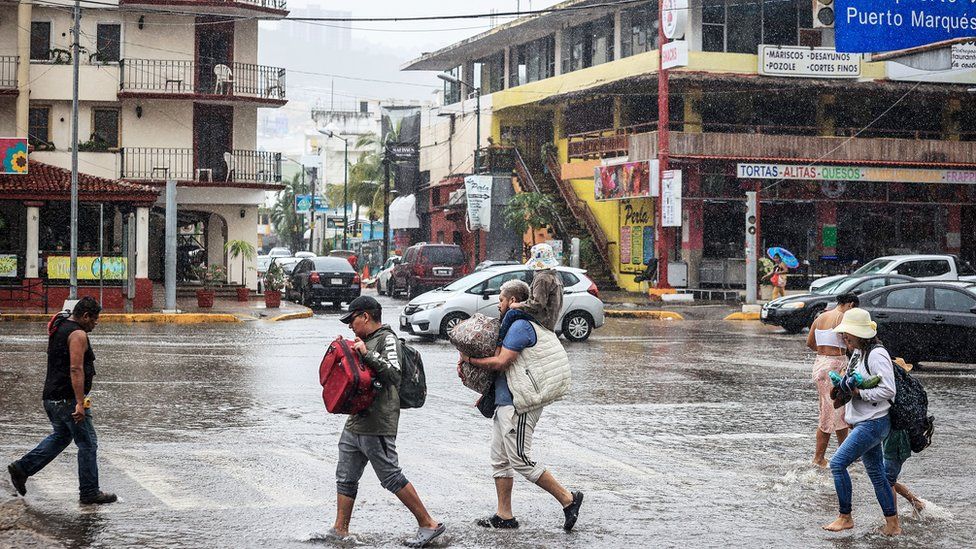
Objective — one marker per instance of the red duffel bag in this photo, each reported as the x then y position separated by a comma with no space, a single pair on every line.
347,384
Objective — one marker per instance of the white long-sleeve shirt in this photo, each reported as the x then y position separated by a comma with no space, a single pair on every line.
872,403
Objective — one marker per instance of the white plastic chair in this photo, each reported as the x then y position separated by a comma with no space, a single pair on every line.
224,78
229,160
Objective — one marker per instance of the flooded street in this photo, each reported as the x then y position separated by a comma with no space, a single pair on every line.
693,434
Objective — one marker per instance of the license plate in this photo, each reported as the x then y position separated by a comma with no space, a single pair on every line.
403,322
337,282
764,313
444,271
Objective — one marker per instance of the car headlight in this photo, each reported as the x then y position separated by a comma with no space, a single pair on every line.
427,306
795,305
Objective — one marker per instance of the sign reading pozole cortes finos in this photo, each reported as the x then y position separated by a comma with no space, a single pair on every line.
869,26
854,173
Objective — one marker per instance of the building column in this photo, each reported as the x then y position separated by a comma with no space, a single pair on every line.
33,230
618,111
617,35
558,54
507,71
693,227
826,122
144,298
827,228
693,118
954,229
951,116
24,14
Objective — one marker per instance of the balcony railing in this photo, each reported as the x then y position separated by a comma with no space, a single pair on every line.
277,5
237,166
8,72
616,141
161,76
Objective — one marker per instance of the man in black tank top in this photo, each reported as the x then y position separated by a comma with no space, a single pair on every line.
70,369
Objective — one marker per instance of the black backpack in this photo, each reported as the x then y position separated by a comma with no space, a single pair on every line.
909,409
413,381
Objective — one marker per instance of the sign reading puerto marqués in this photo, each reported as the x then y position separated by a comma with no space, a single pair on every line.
869,26
854,173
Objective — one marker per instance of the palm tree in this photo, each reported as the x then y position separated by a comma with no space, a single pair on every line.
288,224
244,250
527,211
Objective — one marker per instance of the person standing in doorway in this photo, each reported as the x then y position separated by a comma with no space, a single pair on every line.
867,411
831,357
70,371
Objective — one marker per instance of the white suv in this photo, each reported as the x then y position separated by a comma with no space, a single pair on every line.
919,267
437,311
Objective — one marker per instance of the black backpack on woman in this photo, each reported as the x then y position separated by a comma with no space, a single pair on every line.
910,407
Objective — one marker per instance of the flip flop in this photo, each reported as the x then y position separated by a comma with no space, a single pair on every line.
425,536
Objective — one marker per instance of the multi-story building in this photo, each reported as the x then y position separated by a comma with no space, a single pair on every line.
168,90
883,140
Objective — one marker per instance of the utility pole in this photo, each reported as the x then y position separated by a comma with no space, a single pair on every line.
311,224
386,205
171,237
663,145
75,32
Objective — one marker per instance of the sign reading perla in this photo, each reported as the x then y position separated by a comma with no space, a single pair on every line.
807,62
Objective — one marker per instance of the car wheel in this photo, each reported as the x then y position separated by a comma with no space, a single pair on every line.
450,321
577,326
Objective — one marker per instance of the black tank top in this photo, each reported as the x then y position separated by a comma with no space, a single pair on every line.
57,385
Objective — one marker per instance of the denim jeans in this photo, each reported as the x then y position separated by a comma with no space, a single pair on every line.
66,430
864,442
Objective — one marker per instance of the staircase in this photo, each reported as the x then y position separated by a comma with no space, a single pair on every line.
573,217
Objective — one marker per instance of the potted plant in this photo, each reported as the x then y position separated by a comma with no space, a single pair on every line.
209,277
274,282
245,250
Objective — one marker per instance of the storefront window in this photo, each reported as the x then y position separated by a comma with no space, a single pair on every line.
588,44
739,26
540,58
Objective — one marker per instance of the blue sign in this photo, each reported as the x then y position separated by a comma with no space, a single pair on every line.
303,203
870,26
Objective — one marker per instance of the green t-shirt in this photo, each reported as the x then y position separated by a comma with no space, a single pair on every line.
897,447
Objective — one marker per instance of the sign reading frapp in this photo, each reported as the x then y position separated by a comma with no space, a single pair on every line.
802,62
855,173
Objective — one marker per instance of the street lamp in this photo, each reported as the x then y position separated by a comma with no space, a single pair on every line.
330,132
477,139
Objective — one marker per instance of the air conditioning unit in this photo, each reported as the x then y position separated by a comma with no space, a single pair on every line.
823,14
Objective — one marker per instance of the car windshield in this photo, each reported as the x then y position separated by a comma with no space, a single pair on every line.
843,285
828,288
336,264
874,266
444,255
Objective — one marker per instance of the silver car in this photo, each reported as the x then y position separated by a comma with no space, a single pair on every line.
437,311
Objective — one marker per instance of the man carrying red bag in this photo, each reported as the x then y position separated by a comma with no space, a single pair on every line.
370,436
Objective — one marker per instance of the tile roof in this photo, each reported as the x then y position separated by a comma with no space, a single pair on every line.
46,182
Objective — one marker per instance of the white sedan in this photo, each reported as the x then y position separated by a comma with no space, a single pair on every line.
383,277
437,311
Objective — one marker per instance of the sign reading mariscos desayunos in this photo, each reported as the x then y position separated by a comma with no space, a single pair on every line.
854,173
807,62
867,26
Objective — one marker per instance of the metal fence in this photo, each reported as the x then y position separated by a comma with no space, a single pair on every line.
187,77
238,165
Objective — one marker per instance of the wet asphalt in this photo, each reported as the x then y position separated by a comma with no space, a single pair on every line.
690,434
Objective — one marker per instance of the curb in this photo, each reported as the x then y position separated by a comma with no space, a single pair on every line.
654,315
292,316
742,316
160,318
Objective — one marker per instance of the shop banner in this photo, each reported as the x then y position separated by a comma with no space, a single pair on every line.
871,26
59,267
625,180
855,173
800,62
671,202
477,189
8,266
13,154
636,234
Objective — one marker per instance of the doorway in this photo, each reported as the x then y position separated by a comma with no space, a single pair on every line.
213,136
214,46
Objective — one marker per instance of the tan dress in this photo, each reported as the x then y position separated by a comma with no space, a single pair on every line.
831,419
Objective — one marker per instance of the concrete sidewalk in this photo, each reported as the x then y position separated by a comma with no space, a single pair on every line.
224,310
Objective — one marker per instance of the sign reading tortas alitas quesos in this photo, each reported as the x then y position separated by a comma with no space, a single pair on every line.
803,62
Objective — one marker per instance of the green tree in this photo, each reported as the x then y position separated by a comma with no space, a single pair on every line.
288,224
243,249
527,211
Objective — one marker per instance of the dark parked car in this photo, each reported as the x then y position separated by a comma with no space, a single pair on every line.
926,321
796,312
428,266
319,279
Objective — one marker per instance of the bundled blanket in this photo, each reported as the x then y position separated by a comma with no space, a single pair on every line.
476,337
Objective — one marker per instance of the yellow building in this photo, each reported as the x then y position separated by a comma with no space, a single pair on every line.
885,142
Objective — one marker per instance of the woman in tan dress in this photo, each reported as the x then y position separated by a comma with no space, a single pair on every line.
831,356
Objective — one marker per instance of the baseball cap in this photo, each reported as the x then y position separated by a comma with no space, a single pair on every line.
358,305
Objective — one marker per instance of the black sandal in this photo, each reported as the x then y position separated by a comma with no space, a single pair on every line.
496,521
